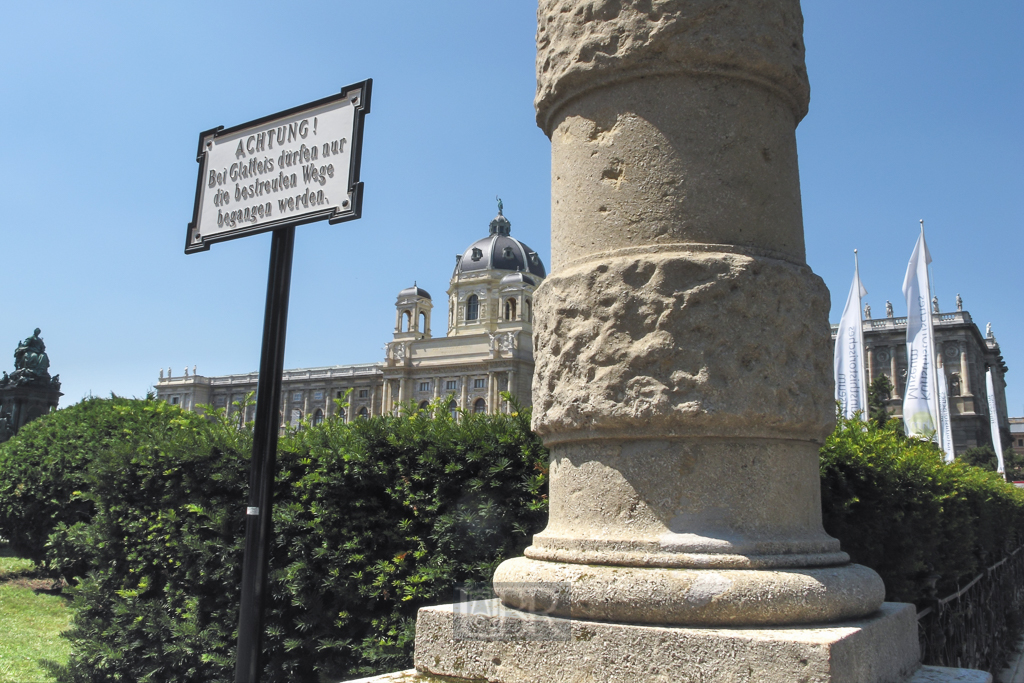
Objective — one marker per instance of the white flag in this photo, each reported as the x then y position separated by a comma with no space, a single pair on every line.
848,361
920,407
945,427
993,421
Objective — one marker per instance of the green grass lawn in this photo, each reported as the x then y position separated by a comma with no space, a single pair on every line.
31,619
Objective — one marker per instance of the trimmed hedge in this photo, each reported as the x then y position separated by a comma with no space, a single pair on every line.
372,520
898,508
43,485
143,503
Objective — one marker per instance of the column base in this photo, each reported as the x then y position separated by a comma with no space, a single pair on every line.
484,641
690,597
925,674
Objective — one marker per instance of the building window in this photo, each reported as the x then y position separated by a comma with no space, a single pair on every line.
297,396
338,395
341,414
472,307
318,417
424,386
510,309
480,406
318,396
363,393
451,385
175,400
296,417
406,321
363,413
480,383
424,405
1020,442
453,409
529,310
220,401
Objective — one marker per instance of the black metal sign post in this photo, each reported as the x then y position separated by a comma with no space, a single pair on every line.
280,171
264,455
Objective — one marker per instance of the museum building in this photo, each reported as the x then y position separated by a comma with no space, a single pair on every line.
488,348
965,355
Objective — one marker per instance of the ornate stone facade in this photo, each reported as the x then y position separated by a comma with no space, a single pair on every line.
488,348
964,353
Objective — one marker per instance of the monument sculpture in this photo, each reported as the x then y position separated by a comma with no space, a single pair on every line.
683,375
29,391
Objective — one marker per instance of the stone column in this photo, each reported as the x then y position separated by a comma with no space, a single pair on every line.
965,382
512,382
464,396
870,353
683,362
491,383
894,368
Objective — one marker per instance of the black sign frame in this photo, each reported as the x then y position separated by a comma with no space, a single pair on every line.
333,215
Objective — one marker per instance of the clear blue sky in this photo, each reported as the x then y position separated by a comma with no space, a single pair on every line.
916,112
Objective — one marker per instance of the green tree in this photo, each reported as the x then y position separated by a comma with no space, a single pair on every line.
879,391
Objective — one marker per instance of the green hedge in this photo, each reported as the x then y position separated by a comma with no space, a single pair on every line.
144,504
372,520
897,508
43,485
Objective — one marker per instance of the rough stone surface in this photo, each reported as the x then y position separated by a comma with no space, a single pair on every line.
690,596
683,344
926,674
588,45
686,502
879,649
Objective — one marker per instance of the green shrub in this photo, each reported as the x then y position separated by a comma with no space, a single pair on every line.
42,469
897,508
372,520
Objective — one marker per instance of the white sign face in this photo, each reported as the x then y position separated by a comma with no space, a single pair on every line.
295,167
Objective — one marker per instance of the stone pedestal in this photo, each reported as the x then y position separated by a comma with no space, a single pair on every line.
25,402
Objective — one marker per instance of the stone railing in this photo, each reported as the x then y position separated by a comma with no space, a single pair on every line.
977,626
941,319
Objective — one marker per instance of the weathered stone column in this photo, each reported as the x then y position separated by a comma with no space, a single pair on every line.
683,359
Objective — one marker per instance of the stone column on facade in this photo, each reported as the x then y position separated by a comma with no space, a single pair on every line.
437,388
512,382
492,407
894,368
870,364
373,401
965,382
683,364
464,382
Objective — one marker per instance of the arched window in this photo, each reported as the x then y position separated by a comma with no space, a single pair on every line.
510,309
364,413
472,307
318,417
341,414
424,405
529,311
423,322
480,406
453,409
296,417
407,321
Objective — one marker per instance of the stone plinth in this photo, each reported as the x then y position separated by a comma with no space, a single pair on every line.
23,403
454,646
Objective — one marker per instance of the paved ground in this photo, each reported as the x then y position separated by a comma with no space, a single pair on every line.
1014,673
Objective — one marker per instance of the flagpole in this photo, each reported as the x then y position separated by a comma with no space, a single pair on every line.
860,338
931,341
